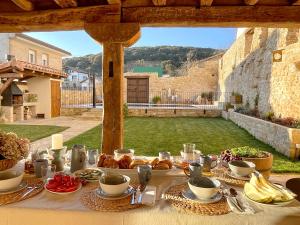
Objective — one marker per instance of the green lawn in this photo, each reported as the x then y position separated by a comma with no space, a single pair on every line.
148,136
32,132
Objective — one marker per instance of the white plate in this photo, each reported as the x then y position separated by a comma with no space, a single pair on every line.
20,187
102,195
277,204
76,173
188,194
63,193
232,175
134,171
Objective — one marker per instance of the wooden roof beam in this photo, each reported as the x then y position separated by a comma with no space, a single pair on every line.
296,2
11,75
111,2
206,2
251,2
214,16
24,4
159,2
66,3
59,19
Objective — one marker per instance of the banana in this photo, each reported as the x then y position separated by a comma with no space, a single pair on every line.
261,190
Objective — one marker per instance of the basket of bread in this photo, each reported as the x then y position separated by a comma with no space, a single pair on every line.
127,164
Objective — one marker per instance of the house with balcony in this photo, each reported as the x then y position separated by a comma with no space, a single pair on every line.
30,77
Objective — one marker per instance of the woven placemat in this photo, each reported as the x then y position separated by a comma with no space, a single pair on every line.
90,199
181,204
229,180
16,196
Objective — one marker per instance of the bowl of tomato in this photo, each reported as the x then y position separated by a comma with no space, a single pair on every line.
63,184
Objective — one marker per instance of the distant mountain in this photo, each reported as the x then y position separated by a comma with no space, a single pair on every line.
170,58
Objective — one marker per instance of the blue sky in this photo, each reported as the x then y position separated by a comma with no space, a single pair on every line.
79,43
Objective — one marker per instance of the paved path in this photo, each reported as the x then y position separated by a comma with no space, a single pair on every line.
76,125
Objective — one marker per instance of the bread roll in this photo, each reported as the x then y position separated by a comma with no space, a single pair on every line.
161,166
137,162
154,162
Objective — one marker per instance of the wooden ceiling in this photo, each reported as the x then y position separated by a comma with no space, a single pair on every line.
50,15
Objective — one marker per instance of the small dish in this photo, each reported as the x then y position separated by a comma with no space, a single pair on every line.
188,194
20,187
89,174
234,176
101,194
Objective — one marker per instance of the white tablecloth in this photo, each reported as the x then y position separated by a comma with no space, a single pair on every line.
49,209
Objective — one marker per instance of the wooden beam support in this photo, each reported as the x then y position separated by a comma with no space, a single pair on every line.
251,2
24,4
214,16
66,3
113,37
159,2
206,2
6,84
11,75
59,19
125,33
112,75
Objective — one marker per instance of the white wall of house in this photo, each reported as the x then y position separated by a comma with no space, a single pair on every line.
4,46
42,87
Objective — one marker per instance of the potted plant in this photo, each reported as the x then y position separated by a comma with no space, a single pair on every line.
236,98
156,100
263,160
12,149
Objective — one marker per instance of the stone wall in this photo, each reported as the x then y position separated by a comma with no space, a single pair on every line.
283,139
248,68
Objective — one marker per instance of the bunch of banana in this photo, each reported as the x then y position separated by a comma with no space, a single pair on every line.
261,190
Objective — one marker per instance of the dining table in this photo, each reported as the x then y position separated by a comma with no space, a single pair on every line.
51,209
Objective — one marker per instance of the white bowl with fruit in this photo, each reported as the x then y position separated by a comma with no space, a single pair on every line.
63,184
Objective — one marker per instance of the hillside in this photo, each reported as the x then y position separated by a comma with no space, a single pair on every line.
171,58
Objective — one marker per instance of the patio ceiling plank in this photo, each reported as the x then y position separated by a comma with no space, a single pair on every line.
206,2
214,16
159,2
251,2
59,19
296,2
66,3
24,4
111,2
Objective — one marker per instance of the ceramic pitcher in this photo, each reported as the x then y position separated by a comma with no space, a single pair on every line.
78,158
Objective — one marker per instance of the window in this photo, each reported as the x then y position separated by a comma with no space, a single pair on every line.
44,59
31,56
74,77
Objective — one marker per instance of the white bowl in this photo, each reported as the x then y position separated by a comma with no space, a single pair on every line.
10,180
205,192
239,170
117,189
120,152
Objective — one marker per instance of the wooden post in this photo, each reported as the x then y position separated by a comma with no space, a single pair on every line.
112,75
114,38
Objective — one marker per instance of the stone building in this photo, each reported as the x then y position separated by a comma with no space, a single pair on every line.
30,77
197,77
263,65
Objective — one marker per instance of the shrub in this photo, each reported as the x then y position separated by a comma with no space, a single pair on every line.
210,95
270,116
228,106
204,95
156,99
13,147
125,110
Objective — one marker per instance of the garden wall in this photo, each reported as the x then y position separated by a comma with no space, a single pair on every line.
283,139
151,112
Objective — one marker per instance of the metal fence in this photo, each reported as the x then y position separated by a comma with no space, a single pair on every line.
83,98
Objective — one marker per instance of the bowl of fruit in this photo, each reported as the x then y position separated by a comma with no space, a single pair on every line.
63,184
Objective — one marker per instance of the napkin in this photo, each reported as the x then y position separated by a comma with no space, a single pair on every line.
248,209
149,196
